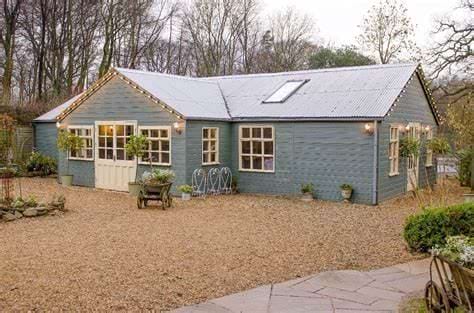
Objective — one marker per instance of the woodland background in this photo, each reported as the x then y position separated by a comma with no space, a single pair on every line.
51,49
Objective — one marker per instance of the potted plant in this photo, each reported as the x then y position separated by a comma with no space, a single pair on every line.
68,142
186,191
136,147
346,192
307,190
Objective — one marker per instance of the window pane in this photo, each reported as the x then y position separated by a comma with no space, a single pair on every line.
213,145
165,145
155,157
110,130
245,132
101,141
213,133
246,162
245,146
268,147
89,153
256,147
257,163
110,142
268,163
205,145
120,142
213,157
165,157
110,154
101,153
284,91
154,133
88,143
205,157
155,145
205,133
129,131
145,132
120,130
101,130
120,154
267,132
164,133
256,133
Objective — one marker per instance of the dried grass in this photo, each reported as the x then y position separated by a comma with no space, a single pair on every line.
106,255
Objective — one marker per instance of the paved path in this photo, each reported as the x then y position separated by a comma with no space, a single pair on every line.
337,291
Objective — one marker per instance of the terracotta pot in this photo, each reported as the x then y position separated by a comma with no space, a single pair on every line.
66,180
185,196
346,193
307,196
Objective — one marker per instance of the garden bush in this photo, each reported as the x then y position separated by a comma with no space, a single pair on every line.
431,227
38,162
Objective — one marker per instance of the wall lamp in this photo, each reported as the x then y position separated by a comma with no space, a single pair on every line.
58,124
178,127
369,128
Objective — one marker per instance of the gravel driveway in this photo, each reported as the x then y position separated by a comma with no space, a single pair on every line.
104,254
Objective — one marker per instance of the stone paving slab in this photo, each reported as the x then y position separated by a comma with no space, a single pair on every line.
349,291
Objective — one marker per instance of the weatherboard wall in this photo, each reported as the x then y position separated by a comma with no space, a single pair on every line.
117,101
412,107
45,135
326,154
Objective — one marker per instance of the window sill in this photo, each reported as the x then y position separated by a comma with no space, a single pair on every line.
80,159
394,174
429,165
208,164
256,171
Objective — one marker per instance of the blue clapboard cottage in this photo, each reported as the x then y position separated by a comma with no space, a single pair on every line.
275,131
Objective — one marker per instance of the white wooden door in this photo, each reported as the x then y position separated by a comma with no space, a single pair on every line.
114,169
413,162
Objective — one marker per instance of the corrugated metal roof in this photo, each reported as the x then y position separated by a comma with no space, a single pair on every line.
50,116
351,92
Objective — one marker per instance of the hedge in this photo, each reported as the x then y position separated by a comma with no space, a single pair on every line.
430,228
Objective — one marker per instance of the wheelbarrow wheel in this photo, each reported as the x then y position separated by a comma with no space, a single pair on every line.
140,203
436,299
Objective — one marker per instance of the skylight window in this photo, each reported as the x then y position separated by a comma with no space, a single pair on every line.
285,91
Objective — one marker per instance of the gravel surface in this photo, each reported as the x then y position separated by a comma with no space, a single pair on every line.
105,255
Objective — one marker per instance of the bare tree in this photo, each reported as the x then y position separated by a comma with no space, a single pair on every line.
387,32
11,11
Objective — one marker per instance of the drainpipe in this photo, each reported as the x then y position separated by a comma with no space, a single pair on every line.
375,165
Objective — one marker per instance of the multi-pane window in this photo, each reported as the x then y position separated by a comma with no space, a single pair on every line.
393,151
257,148
112,141
429,152
210,145
159,145
85,133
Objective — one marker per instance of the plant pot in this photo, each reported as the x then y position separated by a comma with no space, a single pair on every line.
346,194
468,197
307,196
185,196
66,180
134,188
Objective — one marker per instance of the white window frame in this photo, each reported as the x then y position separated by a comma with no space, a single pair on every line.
429,152
209,152
394,171
168,128
252,154
91,137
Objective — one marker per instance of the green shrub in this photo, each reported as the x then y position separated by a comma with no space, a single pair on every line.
158,176
431,227
307,188
345,187
38,162
185,189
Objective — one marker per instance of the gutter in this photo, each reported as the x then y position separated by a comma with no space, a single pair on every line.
375,173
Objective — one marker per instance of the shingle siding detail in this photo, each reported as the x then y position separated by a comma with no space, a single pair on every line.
412,107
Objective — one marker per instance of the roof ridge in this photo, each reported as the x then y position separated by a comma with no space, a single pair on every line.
335,69
197,79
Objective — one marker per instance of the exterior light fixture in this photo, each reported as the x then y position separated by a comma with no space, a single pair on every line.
178,127
369,128
407,128
427,129
58,124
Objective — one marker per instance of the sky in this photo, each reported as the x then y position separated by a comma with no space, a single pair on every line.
337,20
